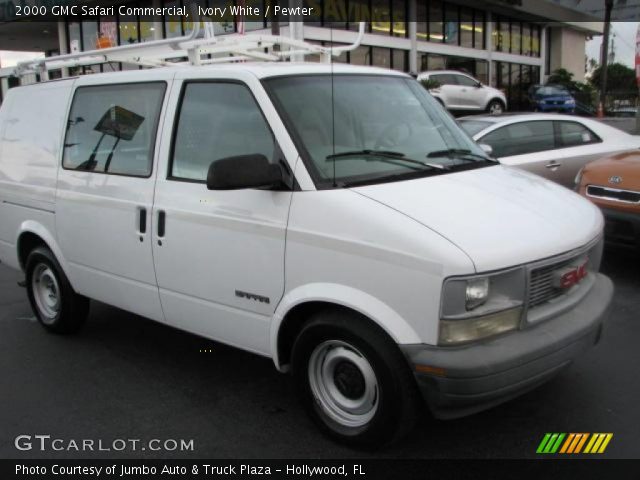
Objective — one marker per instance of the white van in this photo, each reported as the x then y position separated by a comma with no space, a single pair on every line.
332,218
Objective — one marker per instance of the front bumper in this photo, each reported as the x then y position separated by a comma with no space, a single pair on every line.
567,107
475,377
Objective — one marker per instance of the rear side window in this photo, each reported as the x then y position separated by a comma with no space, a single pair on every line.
465,81
112,128
217,120
574,134
521,138
445,79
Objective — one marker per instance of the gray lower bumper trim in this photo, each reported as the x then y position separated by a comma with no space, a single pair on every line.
481,375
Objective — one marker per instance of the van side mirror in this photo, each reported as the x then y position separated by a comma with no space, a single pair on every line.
244,171
479,85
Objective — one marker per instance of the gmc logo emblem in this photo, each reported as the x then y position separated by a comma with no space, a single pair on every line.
569,276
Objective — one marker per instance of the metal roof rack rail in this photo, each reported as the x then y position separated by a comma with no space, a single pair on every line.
200,47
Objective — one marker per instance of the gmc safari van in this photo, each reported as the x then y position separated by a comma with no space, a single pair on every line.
332,218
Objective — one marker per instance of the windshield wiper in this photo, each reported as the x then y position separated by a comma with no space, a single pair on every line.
460,153
386,154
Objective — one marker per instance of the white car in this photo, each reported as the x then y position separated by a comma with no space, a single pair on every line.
369,247
458,91
547,144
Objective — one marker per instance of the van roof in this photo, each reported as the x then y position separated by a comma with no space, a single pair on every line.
259,69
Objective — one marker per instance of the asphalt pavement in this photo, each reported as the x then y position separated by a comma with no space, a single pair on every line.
125,377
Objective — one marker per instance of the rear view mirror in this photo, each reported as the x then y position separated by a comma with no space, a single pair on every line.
244,171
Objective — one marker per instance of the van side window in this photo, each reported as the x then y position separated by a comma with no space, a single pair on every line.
217,120
112,128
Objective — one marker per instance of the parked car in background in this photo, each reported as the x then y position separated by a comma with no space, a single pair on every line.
551,98
461,92
613,183
551,145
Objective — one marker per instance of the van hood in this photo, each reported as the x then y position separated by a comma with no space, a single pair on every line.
499,216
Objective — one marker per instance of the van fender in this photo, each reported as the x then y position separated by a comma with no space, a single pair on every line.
378,312
31,226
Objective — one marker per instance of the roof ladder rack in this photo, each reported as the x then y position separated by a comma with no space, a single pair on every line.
200,47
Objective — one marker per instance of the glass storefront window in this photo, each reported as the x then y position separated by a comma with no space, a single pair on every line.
128,28
421,20
381,57
75,42
380,17
172,25
535,43
360,56
481,72
399,18
423,59
516,38
436,17
89,35
526,39
400,59
466,27
437,62
504,35
478,29
358,12
451,25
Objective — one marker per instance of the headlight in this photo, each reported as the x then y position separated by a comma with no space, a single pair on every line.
477,292
479,306
570,102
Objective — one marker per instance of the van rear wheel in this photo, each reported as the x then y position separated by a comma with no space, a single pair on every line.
353,380
58,308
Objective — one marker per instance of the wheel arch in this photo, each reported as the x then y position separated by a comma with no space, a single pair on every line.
296,308
33,234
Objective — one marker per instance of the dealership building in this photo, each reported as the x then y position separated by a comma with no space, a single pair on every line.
508,44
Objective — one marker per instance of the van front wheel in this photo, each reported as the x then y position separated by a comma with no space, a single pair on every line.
353,380
57,306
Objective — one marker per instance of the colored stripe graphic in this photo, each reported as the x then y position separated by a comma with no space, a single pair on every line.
573,443
550,443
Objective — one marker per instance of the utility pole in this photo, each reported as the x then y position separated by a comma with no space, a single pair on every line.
604,54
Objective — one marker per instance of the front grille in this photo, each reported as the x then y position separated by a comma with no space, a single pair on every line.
541,289
626,196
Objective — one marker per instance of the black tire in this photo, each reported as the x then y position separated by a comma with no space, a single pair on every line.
68,311
494,105
397,401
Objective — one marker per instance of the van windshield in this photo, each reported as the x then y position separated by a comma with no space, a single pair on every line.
381,128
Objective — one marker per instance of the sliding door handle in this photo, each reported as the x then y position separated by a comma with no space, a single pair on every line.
161,223
142,220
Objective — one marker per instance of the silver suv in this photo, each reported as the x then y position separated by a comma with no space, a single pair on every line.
459,91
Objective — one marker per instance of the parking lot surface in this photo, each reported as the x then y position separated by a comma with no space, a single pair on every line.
125,377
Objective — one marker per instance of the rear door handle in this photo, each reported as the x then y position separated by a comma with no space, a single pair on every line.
553,164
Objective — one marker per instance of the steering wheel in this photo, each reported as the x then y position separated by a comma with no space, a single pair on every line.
392,135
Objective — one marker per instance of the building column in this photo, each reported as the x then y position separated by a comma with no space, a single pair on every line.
63,43
488,41
543,53
413,37
296,28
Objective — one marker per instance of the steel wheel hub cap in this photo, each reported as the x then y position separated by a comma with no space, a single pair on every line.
343,383
46,292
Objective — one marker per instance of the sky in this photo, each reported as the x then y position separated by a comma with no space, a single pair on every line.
625,39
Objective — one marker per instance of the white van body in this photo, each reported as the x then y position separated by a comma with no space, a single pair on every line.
248,266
